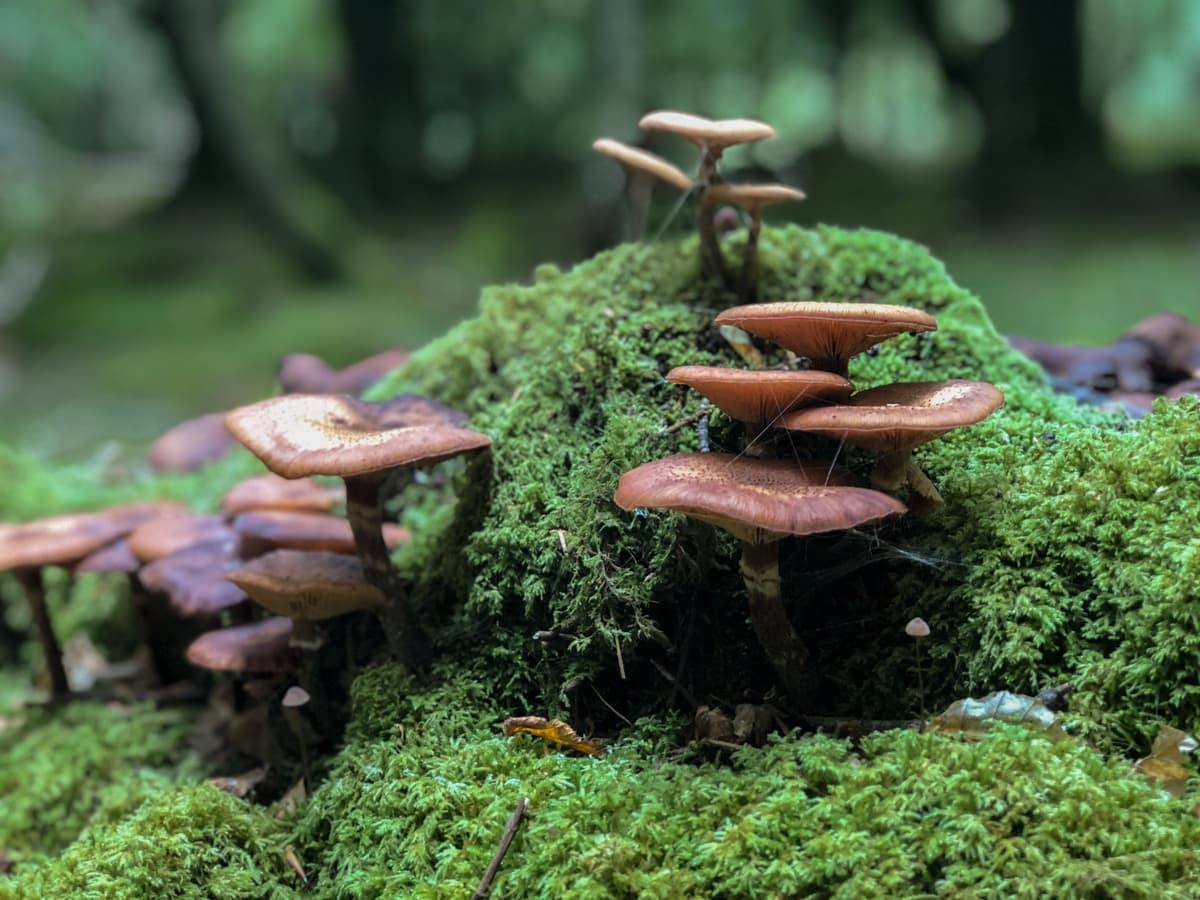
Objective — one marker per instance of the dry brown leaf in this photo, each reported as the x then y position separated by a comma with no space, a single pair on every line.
293,861
712,724
239,785
554,730
1165,766
971,717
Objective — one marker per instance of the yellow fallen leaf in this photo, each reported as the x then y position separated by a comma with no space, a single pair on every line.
553,730
1164,767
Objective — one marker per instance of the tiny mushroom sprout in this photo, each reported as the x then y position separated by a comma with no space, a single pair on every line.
301,435
304,373
270,491
643,161
759,501
753,198
275,529
191,445
711,137
828,334
760,396
307,586
895,418
258,648
26,548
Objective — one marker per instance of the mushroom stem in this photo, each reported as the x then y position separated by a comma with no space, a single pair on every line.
748,288
890,472
711,261
923,496
785,649
35,595
836,365
140,600
364,510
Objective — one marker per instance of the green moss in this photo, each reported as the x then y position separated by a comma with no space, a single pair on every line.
187,842
418,811
64,769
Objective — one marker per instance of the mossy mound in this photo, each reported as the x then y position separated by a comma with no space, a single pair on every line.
1065,549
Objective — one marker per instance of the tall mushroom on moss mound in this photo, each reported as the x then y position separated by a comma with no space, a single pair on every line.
307,586
26,548
711,137
828,334
301,435
753,198
759,501
894,419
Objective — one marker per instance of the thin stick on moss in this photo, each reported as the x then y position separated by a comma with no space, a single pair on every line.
510,834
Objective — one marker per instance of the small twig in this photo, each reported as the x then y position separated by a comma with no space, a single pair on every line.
687,695
684,422
510,833
620,658
611,708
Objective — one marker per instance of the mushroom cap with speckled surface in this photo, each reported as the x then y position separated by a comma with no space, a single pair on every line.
307,584
762,395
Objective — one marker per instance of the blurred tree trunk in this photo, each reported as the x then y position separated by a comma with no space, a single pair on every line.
233,145
383,116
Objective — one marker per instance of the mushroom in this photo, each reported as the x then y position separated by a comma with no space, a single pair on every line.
307,586
1174,345
164,535
895,418
258,648
829,334
63,541
304,373
711,137
269,491
760,396
643,161
274,529
191,444
301,435
294,698
759,501
753,198
193,579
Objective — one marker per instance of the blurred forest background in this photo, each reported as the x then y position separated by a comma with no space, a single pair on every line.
191,188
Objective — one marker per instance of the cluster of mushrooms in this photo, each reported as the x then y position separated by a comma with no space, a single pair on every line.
761,498
712,137
275,541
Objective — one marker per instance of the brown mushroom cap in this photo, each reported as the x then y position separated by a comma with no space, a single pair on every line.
270,491
308,374
757,500
898,417
116,557
265,530
191,444
827,331
644,161
761,395
307,584
713,134
261,647
165,535
752,197
325,434
193,579
63,540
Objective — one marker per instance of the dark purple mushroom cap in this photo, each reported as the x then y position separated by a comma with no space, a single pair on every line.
193,579
264,530
191,444
116,557
258,648
304,373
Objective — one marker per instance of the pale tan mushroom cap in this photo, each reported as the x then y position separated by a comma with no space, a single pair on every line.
751,197
270,491
298,435
165,535
762,395
899,417
261,647
63,540
307,584
715,134
644,161
275,529
827,331
757,500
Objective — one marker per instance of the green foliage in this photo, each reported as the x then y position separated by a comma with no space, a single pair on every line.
418,813
187,842
64,769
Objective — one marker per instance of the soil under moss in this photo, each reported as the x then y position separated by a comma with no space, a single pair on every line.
1068,549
